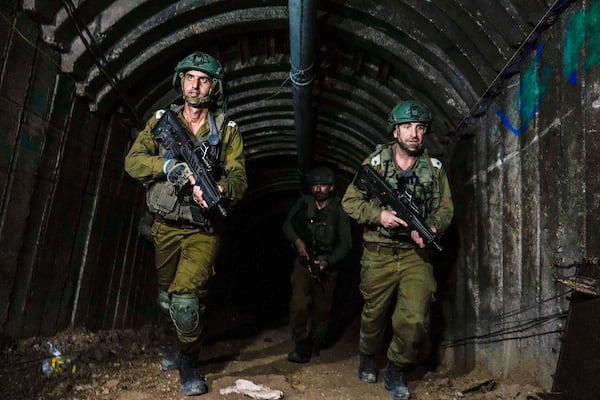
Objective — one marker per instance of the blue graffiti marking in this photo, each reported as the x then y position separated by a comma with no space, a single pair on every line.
532,89
582,32
573,43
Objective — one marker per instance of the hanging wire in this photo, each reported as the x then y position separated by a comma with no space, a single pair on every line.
509,68
91,45
513,313
513,327
29,42
297,75
278,92
70,10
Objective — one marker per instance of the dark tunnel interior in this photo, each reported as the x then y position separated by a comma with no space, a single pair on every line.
251,288
251,285
513,90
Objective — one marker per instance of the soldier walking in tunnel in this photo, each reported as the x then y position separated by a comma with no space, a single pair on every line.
319,231
186,236
396,266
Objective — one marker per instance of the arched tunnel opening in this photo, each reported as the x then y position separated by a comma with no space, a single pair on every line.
255,264
512,89
251,289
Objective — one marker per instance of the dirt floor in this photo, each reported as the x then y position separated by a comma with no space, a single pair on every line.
123,365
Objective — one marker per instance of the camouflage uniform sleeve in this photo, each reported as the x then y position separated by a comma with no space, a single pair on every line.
143,161
234,182
442,218
344,242
288,226
359,207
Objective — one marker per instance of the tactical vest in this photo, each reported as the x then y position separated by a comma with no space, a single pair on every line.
317,228
162,197
425,187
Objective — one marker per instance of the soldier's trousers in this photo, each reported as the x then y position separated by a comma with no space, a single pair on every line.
311,301
406,283
185,258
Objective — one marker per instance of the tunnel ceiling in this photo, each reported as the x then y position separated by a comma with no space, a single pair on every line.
370,54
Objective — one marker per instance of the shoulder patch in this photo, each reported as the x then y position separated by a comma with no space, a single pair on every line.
231,123
158,114
376,160
436,163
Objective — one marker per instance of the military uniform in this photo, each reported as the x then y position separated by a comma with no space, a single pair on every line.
394,269
326,233
185,245
185,236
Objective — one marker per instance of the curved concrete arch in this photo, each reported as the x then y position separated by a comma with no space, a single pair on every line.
415,30
371,54
406,62
147,21
106,91
198,31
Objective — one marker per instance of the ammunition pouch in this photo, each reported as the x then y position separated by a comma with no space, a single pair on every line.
177,208
161,198
185,314
401,233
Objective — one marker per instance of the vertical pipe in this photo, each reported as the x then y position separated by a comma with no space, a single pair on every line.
302,16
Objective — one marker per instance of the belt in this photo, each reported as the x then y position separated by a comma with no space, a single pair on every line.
383,249
176,224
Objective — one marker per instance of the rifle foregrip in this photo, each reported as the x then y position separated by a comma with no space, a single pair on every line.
174,139
368,179
436,245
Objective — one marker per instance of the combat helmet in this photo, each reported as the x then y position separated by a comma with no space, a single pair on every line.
206,63
408,111
320,176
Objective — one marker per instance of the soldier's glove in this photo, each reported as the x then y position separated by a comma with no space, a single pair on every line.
178,173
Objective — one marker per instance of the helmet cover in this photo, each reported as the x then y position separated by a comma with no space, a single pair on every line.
320,176
199,61
408,111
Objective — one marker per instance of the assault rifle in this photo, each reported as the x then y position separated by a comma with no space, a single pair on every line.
310,260
314,268
178,144
402,202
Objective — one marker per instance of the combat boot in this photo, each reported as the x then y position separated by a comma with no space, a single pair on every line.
395,382
172,358
318,338
366,369
301,353
190,382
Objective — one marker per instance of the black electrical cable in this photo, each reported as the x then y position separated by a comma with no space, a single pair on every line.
99,59
509,68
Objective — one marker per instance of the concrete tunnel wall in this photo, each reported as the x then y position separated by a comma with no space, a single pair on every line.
523,174
527,195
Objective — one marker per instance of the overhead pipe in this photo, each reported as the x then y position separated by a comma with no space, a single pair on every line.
303,17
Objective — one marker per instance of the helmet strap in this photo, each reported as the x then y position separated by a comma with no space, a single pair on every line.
204,101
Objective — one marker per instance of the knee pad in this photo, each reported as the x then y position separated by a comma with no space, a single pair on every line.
164,302
184,312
